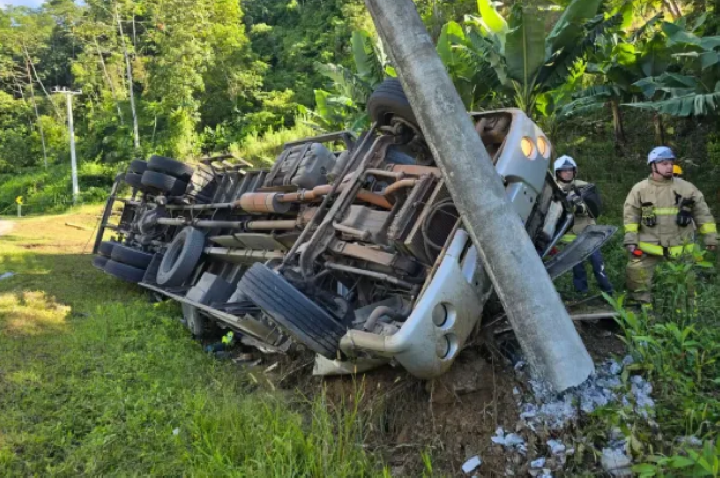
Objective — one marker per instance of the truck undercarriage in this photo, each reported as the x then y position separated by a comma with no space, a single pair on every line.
351,248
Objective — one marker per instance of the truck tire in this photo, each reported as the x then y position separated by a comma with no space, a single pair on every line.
134,180
161,164
106,248
181,257
199,324
99,262
302,318
389,100
124,271
137,166
158,181
178,188
131,257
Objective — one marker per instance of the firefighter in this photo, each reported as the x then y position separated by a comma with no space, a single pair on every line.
661,214
565,172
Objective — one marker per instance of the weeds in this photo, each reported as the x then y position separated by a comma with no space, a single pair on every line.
675,344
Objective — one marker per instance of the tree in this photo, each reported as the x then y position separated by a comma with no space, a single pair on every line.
345,108
696,93
525,62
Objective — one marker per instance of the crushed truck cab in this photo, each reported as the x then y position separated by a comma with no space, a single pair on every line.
349,247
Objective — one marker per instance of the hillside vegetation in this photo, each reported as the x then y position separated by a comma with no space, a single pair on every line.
188,79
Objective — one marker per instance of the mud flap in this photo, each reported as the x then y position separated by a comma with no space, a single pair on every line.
591,239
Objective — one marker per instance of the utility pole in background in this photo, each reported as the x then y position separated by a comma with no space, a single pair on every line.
73,161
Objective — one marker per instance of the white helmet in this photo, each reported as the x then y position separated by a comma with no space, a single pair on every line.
564,163
660,153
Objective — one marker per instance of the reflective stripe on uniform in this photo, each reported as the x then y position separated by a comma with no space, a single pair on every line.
665,211
707,228
673,251
631,227
568,238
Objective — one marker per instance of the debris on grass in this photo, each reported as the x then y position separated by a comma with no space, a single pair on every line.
616,462
6,275
641,390
549,411
690,440
545,415
472,464
511,441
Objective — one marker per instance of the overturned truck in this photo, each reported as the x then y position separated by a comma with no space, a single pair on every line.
349,247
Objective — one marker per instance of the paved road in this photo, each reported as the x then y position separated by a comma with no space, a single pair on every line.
6,226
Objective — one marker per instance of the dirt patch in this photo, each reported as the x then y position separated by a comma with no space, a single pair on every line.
450,419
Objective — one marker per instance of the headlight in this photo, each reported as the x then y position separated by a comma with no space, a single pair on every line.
528,147
544,147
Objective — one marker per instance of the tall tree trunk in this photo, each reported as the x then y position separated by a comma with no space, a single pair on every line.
617,122
673,7
134,38
659,129
109,80
128,67
47,95
37,115
18,86
435,21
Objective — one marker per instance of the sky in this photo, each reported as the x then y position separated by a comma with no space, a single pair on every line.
25,3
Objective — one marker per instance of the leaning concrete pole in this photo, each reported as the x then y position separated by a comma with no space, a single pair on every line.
541,323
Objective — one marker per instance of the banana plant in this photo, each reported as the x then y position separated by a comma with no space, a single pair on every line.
618,60
344,107
518,60
696,93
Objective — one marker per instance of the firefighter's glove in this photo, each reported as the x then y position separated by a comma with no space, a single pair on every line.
577,203
649,218
684,215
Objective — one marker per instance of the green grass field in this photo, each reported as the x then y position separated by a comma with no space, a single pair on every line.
95,380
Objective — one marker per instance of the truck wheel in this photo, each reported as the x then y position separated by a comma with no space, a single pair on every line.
99,262
134,180
181,257
200,325
106,248
131,257
161,164
158,181
124,271
389,100
178,188
137,166
306,321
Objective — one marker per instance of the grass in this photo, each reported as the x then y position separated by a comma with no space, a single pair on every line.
50,190
262,149
95,380
676,348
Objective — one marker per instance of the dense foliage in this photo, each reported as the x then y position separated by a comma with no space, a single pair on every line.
189,78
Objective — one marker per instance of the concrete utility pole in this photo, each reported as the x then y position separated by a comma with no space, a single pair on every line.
541,323
73,162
